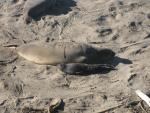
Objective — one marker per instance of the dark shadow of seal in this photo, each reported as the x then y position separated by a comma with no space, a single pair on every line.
117,60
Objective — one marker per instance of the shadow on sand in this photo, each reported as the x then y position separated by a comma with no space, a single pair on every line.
61,7
118,60
115,61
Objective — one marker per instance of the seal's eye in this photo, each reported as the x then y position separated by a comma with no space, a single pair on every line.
61,66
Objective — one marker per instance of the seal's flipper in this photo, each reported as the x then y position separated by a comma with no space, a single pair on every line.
80,59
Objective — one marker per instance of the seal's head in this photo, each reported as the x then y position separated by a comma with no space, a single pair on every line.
61,66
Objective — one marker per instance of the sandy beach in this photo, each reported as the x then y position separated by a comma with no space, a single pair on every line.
120,25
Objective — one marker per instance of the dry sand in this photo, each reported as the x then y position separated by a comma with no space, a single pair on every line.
122,25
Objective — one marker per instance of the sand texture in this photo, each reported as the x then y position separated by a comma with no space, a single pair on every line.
120,25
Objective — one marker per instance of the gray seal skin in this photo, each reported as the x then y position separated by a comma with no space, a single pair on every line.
34,8
84,69
53,55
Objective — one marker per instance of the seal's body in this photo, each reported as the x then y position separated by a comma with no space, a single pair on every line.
41,54
67,53
83,69
53,55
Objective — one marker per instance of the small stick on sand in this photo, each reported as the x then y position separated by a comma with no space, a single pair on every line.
11,45
29,97
143,97
136,43
112,108
142,106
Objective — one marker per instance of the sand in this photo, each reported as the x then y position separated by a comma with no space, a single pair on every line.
121,25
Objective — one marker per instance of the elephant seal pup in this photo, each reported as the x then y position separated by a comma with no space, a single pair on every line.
66,53
33,8
84,69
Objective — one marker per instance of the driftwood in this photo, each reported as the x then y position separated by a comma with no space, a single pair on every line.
111,108
143,97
